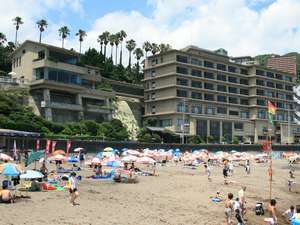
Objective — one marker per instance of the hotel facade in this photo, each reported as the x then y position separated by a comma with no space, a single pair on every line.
194,91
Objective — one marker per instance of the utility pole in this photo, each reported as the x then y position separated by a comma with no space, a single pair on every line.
289,127
183,122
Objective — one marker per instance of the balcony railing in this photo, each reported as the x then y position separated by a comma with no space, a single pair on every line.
99,108
66,106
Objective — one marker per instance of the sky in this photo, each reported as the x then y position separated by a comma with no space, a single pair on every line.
242,27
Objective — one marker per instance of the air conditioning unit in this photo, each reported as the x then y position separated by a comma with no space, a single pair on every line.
43,104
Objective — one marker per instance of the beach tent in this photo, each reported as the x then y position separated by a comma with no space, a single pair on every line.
33,156
31,174
10,170
5,157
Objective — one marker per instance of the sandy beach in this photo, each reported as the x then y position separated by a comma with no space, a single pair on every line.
178,196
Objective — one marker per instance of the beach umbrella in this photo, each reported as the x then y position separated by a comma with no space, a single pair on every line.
33,156
145,160
31,174
78,149
108,149
95,160
57,158
59,152
42,160
72,159
5,157
132,152
10,170
129,158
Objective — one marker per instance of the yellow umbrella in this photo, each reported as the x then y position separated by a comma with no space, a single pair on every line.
108,149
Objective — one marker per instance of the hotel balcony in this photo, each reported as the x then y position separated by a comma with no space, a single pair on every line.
99,109
65,106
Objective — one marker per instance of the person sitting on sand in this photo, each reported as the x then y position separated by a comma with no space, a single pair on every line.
44,170
272,220
6,196
98,170
125,166
289,213
229,208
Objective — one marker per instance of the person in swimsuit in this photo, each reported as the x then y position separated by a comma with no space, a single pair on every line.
5,195
229,208
208,172
73,188
272,220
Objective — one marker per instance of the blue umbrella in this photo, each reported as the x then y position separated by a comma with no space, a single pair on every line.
73,160
10,170
31,174
177,150
113,163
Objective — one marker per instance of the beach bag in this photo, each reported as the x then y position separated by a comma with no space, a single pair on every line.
259,210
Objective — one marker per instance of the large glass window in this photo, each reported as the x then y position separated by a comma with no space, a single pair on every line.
261,114
182,107
63,76
208,64
197,109
221,77
289,97
222,98
39,73
201,128
270,84
244,115
196,73
209,75
182,93
227,131
196,95
210,110
260,92
270,93
244,71
181,70
222,88
270,74
209,97
233,100
288,87
280,95
182,59
222,110
279,86
221,67
183,82
279,76
260,72
232,90
233,113
288,78
196,62
260,82
238,126
244,91
244,101
165,123
215,129
261,102
232,69
243,81
196,84
209,86
232,79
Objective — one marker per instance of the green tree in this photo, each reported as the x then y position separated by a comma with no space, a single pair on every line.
196,139
64,32
100,40
105,36
2,39
147,47
150,122
235,140
81,34
42,24
130,45
117,42
164,47
111,39
138,52
122,36
210,139
154,48
17,22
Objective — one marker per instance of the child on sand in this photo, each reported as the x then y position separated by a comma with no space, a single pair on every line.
289,213
238,210
208,172
73,188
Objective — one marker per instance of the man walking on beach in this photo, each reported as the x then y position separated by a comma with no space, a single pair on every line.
242,200
73,188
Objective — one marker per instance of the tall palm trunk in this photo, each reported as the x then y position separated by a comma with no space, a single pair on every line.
80,47
105,51
40,37
111,51
16,37
62,44
116,54
121,53
129,61
101,46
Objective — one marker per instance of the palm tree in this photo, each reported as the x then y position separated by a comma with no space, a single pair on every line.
154,48
138,52
164,47
123,35
64,32
2,39
17,22
105,40
100,41
81,34
111,39
147,47
130,45
117,42
42,24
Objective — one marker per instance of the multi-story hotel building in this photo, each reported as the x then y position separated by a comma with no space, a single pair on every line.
194,91
63,90
286,64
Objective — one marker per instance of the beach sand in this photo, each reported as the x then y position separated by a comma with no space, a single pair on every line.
178,196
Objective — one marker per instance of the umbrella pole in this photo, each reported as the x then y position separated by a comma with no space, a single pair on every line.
34,164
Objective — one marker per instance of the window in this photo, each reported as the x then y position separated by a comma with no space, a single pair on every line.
182,82
244,115
289,97
165,123
154,61
39,73
196,73
260,82
233,100
288,87
222,110
152,96
238,126
260,92
221,77
196,84
280,95
270,84
182,107
153,73
244,91
260,72
209,75
233,113
261,102
209,86
270,93
288,78
280,105
196,62
244,101
270,74
208,64
153,84
179,122
196,95
232,69
182,93
209,97
232,79
182,59
221,67
182,70
279,86
197,109
153,109
244,71
279,77
210,110
222,98
261,114
41,54
243,81
222,88
232,90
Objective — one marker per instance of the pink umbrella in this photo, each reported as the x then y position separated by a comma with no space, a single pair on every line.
96,160
57,158
5,157
132,152
129,158
145,160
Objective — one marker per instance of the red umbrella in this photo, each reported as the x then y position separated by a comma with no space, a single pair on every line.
59,152
5,157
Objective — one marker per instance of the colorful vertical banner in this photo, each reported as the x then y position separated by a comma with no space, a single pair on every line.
53,145
15,150
271,112
68,147
48,144
37,144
